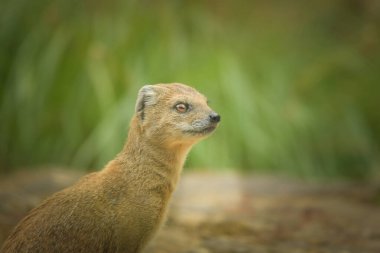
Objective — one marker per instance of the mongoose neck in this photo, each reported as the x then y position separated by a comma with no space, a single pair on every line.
161,156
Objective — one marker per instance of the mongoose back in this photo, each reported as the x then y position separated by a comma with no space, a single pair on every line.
121,207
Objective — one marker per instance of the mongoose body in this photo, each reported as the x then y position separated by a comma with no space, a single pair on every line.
119,208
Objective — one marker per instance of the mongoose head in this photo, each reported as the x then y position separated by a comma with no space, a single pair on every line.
174,114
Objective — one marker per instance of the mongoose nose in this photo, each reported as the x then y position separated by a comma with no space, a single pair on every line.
214,117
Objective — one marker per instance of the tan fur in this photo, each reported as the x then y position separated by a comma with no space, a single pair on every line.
121,207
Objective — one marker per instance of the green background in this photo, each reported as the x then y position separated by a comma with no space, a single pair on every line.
296,82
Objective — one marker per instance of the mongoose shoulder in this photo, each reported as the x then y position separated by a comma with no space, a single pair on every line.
119,208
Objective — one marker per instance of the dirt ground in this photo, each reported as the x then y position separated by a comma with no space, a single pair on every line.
229,212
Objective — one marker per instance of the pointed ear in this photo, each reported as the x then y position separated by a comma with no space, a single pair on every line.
146,96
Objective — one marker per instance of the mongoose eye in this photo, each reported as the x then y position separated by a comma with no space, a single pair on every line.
181,107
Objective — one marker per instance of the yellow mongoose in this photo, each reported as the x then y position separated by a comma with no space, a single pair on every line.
121,207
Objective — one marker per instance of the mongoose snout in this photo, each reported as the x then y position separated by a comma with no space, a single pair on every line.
208,125
121,207
214,117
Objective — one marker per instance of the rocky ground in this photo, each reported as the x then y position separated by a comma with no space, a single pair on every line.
228,212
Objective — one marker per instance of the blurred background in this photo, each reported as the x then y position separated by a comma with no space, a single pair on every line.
295,163
296,82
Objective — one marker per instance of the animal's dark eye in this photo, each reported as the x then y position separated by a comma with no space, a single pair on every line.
182,108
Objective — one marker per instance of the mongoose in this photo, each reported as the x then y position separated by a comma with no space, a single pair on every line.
121,207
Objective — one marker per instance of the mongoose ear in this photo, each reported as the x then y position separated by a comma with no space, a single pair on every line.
146,96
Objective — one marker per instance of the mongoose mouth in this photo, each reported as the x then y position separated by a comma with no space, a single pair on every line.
203,131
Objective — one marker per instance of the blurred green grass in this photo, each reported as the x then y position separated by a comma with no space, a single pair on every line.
296,83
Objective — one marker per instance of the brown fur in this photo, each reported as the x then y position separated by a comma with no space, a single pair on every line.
121,207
